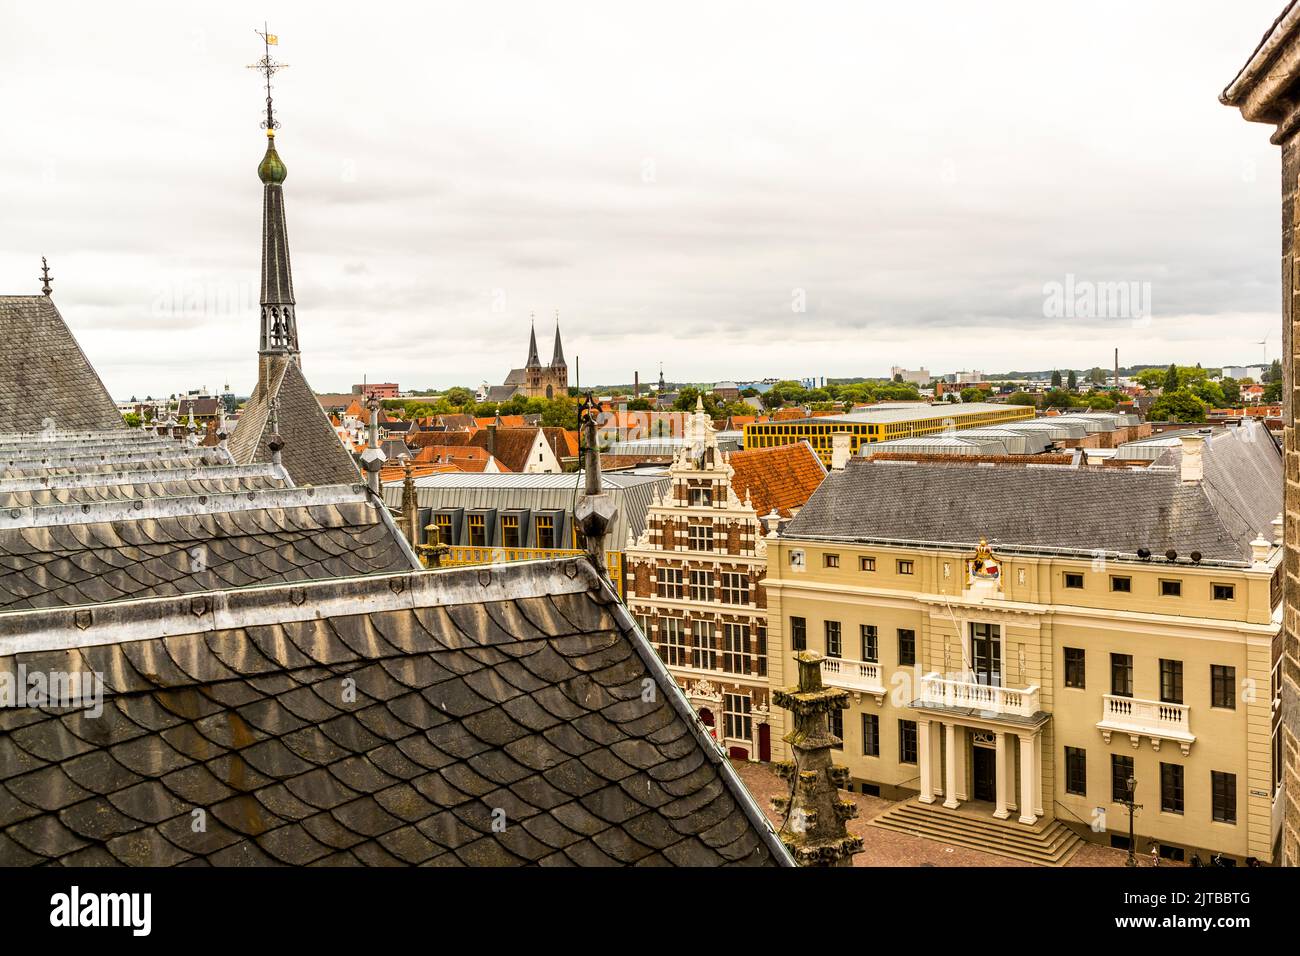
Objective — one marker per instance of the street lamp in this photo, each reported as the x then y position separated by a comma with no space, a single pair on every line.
1131,785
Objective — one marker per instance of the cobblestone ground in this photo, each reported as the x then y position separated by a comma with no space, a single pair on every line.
890,848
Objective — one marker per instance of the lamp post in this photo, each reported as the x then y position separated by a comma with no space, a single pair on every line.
1131,785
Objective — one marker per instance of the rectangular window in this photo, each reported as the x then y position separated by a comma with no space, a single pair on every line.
905,567
669,583
1120,584
1121,675
1223,788
798,634
1224,592
1171,787
1171,681
1171,588
836,723
1074,667
833,646
736,721
701,497
544,531
986,653
870,735
703,653
701,585
830,560
907,741
735,648
510,531
672,641
866,564
735,587
760,650
1121,768
443,524
1073,579
1076,771
700,537
477,531
870,644
1223,686
906,647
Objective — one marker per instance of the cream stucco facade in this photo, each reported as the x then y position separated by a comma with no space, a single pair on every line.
963,693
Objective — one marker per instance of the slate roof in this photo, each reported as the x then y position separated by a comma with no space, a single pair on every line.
783,478
44,375
313,453
380,721
61,555
1060,507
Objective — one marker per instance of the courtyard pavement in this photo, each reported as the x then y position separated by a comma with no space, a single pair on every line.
890,848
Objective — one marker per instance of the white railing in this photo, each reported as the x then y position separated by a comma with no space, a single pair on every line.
938,691
1146,718
845,672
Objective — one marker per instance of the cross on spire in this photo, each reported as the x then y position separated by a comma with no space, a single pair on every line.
268,68
46,278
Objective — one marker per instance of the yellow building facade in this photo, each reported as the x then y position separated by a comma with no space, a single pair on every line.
1030,683
882,423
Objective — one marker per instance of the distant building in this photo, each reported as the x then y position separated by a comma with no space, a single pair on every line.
1255,372
919,377
727,391
377,389
535,380
881,422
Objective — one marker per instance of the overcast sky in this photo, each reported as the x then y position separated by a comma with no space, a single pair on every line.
735,189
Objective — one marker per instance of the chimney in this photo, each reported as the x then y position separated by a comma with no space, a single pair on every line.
636,384
839,450
1193,466
492,439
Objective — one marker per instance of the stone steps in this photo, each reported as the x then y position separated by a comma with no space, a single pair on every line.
1046,843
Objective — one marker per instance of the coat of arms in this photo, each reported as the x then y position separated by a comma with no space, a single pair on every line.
985,567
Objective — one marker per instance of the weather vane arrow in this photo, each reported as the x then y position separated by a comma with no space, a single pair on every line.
268,68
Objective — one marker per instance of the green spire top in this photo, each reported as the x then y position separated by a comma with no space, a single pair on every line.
272,168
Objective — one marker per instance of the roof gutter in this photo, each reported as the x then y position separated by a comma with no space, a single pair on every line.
1028,550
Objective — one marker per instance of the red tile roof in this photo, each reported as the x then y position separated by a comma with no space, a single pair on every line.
783,478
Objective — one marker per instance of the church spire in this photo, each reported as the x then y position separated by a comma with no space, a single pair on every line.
279,323
557,357
533,360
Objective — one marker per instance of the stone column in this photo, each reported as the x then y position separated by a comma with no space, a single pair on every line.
950,767
936,758
959,759
1000,782
1010,791
1027,780
1038,774
925,756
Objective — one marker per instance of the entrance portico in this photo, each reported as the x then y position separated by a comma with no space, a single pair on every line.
982,753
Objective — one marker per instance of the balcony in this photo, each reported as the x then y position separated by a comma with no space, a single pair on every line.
1146,718
861,677
939,691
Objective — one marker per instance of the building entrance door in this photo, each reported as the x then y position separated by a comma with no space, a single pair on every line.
984,774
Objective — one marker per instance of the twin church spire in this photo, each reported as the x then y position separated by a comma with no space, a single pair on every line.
557,354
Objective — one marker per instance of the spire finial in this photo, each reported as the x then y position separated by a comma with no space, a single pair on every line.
268,68
46,278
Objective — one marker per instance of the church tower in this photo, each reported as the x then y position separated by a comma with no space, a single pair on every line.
282,420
